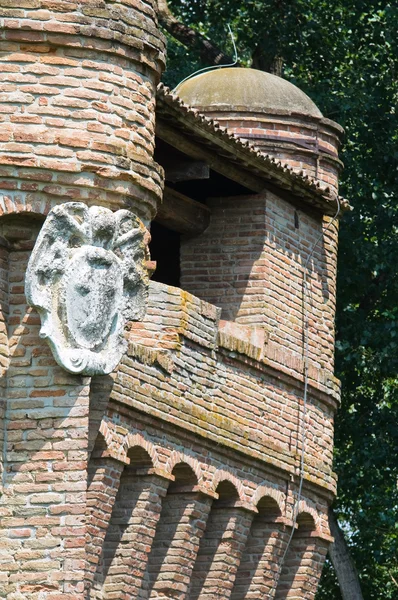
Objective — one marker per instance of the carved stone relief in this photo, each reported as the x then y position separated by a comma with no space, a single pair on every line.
86,277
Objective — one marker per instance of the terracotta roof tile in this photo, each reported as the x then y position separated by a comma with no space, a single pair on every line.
171,108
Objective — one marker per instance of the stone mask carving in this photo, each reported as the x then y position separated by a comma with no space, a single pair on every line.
86,277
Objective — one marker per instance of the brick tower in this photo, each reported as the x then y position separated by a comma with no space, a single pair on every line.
78,82
157,439
274,115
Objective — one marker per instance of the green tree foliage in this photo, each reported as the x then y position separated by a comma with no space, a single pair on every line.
344,54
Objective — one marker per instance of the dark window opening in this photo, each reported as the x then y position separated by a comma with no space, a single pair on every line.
216,185
165,250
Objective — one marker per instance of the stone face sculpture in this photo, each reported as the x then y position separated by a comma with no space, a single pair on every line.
86,277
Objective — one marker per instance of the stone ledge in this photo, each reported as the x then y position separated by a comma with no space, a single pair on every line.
151,357
243,339
251,342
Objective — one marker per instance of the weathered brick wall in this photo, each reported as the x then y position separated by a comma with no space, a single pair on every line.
303,564
266,543
4,354
200,541
77,104
193,378
178,475
296,242
186,394
77,117
226,265
222,547
251,261
191,414
45,430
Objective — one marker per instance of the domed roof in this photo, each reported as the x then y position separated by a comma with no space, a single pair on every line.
248,90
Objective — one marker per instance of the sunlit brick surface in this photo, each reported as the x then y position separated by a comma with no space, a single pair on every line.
175,477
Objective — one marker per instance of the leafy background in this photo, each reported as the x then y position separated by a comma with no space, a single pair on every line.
344,55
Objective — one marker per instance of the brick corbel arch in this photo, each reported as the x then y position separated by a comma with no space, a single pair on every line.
137,439
306,507
177,457
223,475
266,491
106,433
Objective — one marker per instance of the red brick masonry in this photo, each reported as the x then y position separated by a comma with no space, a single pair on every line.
176,476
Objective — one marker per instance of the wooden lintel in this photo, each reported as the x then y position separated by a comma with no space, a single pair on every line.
190,170
182,214
215,160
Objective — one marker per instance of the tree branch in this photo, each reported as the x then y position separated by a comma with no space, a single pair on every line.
342,562
272,64
208,51
394,580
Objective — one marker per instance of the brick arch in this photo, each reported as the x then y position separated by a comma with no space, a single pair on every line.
19,205
222,475
266,491
177,457
304,557
306,508
265,543
138,440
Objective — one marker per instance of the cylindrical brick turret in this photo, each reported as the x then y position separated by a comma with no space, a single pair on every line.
77,112
273,114
77,104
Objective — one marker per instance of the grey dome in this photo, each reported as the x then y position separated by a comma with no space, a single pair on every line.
247,90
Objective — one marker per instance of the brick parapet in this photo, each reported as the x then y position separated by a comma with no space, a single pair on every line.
254,406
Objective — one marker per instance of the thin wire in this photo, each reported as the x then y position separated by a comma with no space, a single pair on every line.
205,69
306,296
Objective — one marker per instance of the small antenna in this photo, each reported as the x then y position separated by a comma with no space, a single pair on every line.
215,66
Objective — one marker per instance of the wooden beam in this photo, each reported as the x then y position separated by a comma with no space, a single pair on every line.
189,170
182,214
214,159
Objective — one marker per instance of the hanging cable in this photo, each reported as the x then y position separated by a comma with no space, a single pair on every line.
205,69
307,297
